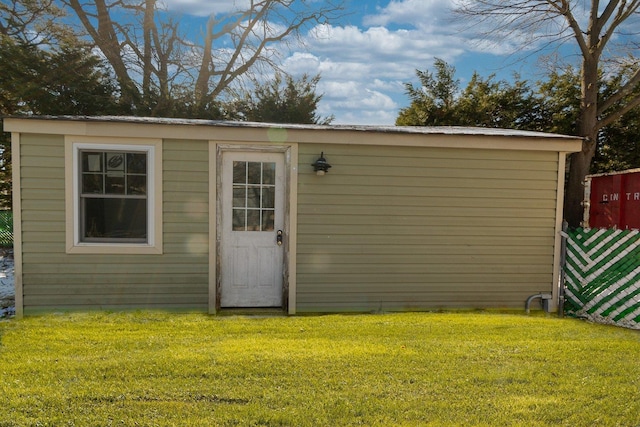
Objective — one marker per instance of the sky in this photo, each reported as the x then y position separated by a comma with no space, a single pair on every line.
365,58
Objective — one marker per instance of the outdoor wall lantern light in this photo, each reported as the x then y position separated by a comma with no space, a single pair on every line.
321,166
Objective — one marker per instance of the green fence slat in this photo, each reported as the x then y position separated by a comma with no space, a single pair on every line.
599,307
629,310
601,274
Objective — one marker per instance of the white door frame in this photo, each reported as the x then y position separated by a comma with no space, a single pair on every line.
290,152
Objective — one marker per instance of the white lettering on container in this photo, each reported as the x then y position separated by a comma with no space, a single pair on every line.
613,197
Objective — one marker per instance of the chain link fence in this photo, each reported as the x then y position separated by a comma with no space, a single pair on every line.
6,228
602,273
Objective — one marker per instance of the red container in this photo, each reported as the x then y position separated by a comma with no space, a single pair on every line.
612,200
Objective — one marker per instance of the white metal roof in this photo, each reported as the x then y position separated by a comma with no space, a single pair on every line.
420,130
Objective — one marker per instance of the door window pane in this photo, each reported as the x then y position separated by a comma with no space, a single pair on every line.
253,196
239,219
254,191
254,173
253,220
268,197
269,173
239,197
239,172
268,219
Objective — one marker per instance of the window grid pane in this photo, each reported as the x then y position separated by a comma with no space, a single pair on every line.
253,196
114,173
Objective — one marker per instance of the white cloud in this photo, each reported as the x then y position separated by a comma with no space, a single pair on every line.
352,43
417,13
340,90
387,85
368,100
364,65
355,117
378,53
348,91
363,69
365,62
302,62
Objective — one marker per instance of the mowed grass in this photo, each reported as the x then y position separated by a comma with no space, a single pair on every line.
160,369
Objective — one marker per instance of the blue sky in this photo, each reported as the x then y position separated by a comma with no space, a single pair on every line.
365,58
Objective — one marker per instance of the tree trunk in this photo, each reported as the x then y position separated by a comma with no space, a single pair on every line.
578,169
588,129
147,28
201,89
106,39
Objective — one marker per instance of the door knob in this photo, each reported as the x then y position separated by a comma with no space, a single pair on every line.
279,238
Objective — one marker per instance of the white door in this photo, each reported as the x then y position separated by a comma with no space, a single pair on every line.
252,231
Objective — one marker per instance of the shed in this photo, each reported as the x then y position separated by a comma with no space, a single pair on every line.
127,213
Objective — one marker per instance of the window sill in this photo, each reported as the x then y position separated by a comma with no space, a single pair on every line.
114,249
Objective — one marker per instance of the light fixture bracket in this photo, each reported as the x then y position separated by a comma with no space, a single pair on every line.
321,166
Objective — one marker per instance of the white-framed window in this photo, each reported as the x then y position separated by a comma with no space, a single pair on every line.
114,196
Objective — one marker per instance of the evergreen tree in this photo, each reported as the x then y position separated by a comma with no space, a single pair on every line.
283,101
600,32
552,105
36,80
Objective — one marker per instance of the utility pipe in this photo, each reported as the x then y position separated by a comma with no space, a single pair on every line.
542,297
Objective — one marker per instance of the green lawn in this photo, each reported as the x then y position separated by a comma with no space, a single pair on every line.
160,369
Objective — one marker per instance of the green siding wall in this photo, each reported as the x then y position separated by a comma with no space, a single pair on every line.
388,228
399,228
178,279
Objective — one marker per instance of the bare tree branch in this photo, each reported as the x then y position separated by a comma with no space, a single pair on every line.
624,91
34,22
592,35
252,32
149,55
624,12
627,107
106,39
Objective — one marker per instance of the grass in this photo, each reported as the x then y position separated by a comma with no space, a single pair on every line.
159,369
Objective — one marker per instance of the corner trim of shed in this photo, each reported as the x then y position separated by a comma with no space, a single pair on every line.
17,224
557,246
